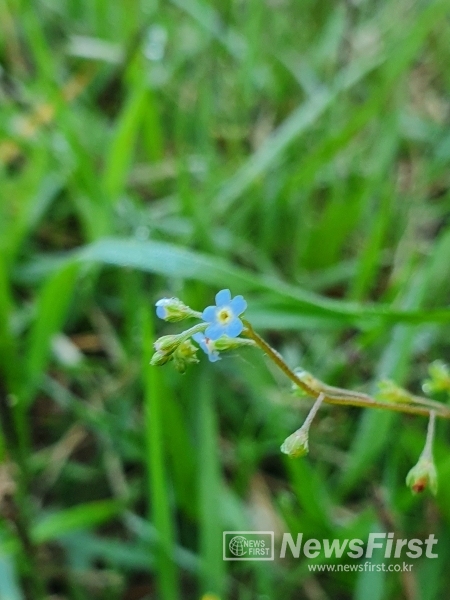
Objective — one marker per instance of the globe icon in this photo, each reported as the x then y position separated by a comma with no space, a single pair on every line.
237,545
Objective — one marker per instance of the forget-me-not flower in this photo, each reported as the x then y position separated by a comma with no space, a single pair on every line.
207,345
224,317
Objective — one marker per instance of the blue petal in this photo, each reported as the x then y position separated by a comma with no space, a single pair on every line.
223,297
214,357
161,312
201,341
213,332
209,314
204,347
198,337
238,305
234,328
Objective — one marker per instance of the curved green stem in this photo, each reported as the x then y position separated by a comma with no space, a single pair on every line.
341,396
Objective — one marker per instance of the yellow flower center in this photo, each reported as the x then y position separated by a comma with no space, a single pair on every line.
224,316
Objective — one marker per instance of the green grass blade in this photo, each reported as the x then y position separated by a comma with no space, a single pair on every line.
159,504
213,566
51,311
122,146
82,516
174,261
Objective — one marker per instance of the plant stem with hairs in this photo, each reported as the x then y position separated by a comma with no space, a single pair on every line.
340,396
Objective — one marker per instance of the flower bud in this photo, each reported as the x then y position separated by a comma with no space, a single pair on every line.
185,355
177,347
229,343
159,359
167,344
172,309
439,378
391,392
423,475
296,445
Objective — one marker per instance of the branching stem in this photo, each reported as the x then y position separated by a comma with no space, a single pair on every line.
344,397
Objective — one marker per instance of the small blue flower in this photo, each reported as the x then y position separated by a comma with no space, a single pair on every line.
207,345
224,317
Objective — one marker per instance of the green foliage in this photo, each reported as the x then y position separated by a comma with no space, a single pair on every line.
296,152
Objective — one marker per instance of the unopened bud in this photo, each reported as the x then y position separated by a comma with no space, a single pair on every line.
228,343
173,309
423,475
167,344
439,378
177,347
185,355
391,392
296,445
159,359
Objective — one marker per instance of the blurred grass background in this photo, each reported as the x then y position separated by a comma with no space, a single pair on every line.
295,152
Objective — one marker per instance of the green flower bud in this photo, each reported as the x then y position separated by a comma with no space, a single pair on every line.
172,309
423,475
228,343
159,359
439,378
296,445
167,344
177,347
391,392
185,355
